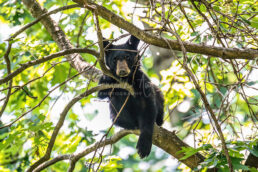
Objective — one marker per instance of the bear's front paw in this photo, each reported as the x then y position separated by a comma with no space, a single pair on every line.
144,146
159,120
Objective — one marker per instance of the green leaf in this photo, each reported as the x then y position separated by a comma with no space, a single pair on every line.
194,33
236,162
216,8
254,22
188,151
44,126
245,20
202,8
60,74
240,166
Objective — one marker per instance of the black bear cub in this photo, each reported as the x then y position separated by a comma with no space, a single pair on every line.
144,108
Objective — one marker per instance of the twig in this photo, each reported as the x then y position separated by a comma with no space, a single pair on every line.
106,72
187,19
8,65
118,114
81,29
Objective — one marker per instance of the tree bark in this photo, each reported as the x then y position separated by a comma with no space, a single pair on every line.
60,38
169,142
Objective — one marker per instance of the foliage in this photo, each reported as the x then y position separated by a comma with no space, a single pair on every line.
229,85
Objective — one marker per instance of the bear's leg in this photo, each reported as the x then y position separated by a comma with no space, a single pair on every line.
146,124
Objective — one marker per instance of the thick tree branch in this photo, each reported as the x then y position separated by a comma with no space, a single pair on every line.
169,142
225,53
60,38
162,138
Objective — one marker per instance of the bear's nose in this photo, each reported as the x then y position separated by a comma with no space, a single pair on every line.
122,72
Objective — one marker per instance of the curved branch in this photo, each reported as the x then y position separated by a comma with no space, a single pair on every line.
50,57
224,53
75,157
64,113
42,100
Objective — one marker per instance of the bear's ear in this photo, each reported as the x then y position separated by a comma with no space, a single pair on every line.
133,42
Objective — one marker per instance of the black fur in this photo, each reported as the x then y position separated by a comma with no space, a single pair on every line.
142,110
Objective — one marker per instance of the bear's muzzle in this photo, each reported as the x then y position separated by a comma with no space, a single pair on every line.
122,69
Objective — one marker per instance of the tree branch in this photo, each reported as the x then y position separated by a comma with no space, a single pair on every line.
166,140
60,38
101,60
50,57
204,99
8,65
224,53
49,92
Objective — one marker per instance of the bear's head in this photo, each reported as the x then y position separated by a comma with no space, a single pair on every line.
121,59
